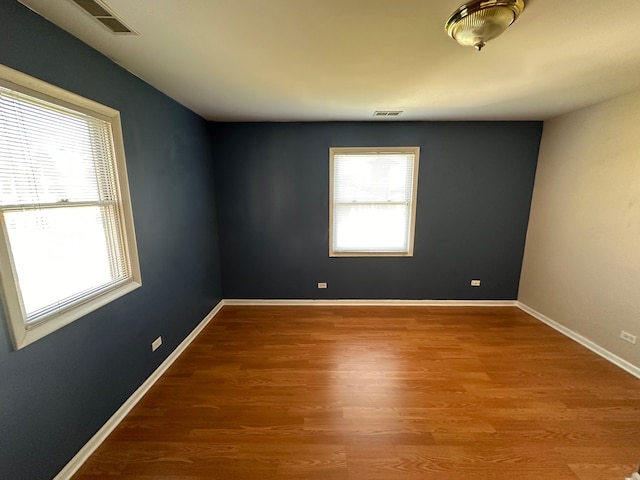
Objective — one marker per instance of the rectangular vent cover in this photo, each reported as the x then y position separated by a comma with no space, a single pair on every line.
387,113
106,17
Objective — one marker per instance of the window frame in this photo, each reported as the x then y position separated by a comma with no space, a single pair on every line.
22,333
414,198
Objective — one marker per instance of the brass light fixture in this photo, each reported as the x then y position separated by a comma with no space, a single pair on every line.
478,21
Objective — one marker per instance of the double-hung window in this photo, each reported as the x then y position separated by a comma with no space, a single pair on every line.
372,201
67,242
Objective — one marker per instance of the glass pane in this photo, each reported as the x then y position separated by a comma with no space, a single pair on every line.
373,178
50,156
58,253
364,228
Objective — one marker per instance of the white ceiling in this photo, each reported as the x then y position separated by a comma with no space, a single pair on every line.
306,60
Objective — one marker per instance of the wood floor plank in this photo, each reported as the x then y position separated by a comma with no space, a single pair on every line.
446,393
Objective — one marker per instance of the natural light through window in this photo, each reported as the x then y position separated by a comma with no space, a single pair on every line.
67,227
373,201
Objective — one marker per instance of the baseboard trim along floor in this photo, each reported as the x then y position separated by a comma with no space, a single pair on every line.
85,452
585,342
373,303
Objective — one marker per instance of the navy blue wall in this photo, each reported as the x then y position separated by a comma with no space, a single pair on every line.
56,393
271,194
474,195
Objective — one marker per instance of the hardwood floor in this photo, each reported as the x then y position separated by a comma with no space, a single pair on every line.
380,393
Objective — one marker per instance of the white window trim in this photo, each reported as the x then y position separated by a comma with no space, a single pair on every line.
414,198
21,334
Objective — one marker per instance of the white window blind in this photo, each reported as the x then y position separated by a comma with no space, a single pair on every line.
58,198
60,204
373,201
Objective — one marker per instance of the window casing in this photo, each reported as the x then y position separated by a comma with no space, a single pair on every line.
67,242
372,201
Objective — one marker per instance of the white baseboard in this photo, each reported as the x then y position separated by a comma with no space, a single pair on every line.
373,303
585,342
85,452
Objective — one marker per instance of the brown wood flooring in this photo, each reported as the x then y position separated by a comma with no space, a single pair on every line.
379,393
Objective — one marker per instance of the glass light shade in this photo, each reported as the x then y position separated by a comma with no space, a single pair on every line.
478,22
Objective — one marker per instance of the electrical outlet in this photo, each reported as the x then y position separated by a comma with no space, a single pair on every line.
322,284
628,337
156,344
475,283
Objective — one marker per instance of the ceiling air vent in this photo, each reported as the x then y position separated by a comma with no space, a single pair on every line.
387,113
107,18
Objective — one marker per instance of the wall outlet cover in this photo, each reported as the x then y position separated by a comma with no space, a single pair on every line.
156,344
628,337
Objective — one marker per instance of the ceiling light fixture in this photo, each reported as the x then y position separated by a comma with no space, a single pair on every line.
478,21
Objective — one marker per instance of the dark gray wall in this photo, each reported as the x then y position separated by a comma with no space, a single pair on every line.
474,194
56,393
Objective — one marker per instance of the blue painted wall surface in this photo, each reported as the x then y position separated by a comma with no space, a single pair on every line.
56,393
474,195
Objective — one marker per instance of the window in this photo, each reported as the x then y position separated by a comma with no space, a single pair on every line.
372,201
67,242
